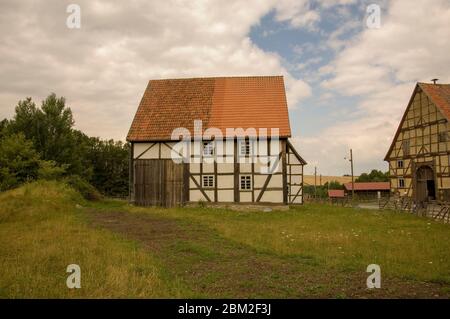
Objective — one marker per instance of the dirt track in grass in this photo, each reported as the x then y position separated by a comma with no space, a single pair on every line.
215,267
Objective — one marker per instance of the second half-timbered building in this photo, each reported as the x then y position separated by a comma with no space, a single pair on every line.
216,140
419,156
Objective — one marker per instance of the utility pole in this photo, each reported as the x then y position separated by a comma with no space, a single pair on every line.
353,178
315,182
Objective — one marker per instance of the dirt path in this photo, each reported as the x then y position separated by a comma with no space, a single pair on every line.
213,266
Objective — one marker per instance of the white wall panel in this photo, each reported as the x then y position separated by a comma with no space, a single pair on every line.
225,196
245,197
272,197
225,181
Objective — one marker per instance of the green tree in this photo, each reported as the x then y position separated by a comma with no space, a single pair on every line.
19,162
66,151
3,128
110,166
51,130
334,185
373,176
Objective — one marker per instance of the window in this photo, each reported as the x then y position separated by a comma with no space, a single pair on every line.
245,149
208,148
246,182
401,183
443,137
406,147
208,181
399,164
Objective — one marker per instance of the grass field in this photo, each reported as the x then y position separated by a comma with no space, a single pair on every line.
124,251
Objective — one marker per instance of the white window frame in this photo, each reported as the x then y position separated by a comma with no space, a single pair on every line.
209,148
247,179
400,182
402,164
244,146
208,181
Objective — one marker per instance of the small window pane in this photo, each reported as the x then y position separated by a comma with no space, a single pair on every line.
246,182
400,164
245,148
208,148
208,181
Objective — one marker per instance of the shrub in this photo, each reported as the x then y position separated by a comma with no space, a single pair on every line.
88,191
19,162
49,170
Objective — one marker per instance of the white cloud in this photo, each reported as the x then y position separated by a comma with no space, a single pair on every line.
297,12
103,68
381,66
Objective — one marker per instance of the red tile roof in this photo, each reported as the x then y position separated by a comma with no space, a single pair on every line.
336,193
373,186
221,102
438,93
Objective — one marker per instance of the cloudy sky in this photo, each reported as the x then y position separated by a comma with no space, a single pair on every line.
347,84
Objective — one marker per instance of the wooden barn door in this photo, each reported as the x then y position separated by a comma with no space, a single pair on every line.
425,184
158,183
173,184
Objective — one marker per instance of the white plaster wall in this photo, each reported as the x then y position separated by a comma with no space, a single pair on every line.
225,168
276,181
225,196
245,197
153,153
194,168
208,168
225,181
196,195
272,197
296,169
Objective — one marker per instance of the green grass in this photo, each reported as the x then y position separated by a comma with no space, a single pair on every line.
342,238
126,251
42,231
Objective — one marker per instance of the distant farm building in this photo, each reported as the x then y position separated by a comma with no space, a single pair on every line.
336,193
419,154
249,167
368,190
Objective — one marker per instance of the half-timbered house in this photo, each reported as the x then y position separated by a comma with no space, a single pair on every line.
419,155
216,140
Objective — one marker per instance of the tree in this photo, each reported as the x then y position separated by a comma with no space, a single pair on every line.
51,130
373,176
3,128
110,166
66,151
19,162
334,185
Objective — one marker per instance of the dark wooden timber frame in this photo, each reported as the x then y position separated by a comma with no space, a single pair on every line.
290,150
423,150
415,169
257,193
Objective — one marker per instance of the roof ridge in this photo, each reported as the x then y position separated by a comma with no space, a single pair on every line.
220,77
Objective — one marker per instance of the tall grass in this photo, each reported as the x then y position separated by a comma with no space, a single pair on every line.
344,239
43,230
